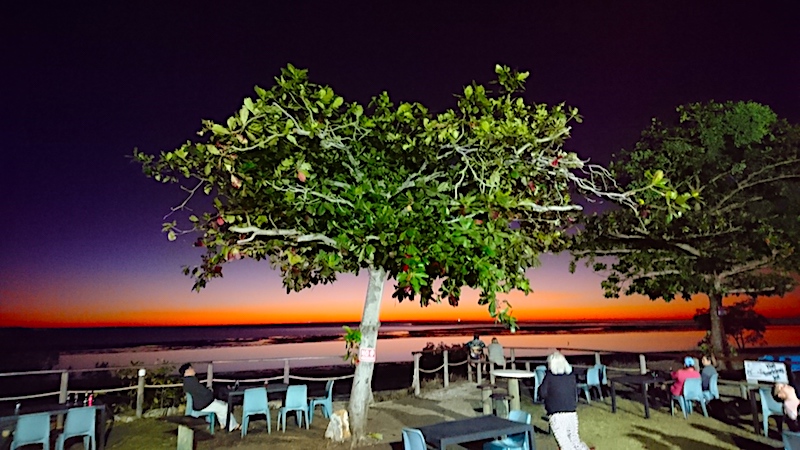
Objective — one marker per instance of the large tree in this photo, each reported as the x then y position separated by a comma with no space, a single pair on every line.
468,197
743,163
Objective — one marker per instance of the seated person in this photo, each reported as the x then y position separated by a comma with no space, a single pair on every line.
681,375
475,348
708,362
203,398
496,355
791,404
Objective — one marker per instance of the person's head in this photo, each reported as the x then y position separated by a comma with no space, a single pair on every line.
186,370
784,392
476,336
495,341
708,360
688,362
558,364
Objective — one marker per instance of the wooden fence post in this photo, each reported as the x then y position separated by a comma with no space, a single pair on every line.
513,359
528,366
597,358
285,371
62,396
469,370
446,369
642,364
210,375
415,380
140,393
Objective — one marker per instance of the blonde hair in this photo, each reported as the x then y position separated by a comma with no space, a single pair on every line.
558,364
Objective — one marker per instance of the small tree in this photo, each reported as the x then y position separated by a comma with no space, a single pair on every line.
742,323
465,198
745,164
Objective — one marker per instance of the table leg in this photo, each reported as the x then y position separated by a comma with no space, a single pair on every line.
513,390
754,410
486,399
646,401
230,411
613,398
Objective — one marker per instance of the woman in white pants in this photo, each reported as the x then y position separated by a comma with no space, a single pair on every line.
559,391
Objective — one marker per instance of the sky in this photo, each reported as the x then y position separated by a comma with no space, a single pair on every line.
85,83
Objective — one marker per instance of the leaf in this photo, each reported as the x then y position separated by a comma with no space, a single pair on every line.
468,91
171,235
244,113
248,103
337,103
291,138
219,129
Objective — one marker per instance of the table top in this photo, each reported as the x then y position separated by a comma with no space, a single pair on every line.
272,387
513,373
473,429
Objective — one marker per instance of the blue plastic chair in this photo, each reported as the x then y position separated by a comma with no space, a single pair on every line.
539,373
326,403
592,381
791,440
32,429
413,439
692,392
255,402
296,400
79,422
517,441
190,411
770,407
713,389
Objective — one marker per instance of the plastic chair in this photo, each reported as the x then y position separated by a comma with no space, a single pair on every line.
79,422
517,441
592,381
538,378
326,403
770,407
791,440
296,400
603,376
190,411
713,390
255,402
32,429
413,439
692,392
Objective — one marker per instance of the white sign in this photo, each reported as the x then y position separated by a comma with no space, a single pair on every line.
366,354
769,371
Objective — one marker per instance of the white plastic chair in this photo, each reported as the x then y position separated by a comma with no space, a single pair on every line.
255,402
326,402
32,429
517,441
79,422
296,400
692,392
413,439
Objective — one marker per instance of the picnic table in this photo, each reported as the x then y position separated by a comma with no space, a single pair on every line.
238,393
442,434
643,382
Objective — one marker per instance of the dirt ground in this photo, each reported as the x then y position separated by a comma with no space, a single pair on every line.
729,426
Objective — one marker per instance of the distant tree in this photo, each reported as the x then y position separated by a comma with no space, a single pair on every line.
742,324
740,239
465,198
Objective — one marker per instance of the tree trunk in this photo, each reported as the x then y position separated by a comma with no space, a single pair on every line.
718,337
361,392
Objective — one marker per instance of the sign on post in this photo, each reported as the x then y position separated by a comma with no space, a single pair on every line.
768,371
366,354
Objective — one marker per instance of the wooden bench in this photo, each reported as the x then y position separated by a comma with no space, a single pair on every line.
190,428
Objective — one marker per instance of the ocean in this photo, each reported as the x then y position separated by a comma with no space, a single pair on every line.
240,348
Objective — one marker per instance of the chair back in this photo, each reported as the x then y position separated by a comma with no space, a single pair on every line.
80,421
593,376
255,400
540,371
518,440
189,406
712,386
296,396
693,390
32,429
413,439
603,375
329,390
769,406
791,440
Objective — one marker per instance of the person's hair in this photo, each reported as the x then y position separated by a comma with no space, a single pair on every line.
558,364
495,341
476,336
182,370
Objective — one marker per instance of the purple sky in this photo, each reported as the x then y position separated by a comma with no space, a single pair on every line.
83,84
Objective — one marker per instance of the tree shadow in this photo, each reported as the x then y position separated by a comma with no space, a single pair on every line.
740,441
644,435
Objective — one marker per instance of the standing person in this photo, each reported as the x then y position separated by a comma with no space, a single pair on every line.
203,398
708,362
496,355
559,391
791,405
681,375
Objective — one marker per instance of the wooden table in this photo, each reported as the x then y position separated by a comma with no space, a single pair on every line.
235,394
513,376
10,421
642,381
442,434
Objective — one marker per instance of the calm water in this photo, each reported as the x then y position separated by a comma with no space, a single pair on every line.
267,343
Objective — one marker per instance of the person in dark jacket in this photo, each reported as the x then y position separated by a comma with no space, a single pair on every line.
203,398
559,390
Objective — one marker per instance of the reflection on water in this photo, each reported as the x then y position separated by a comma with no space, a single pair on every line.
230,357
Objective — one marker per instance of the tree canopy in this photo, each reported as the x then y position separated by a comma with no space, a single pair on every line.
743,163
468,197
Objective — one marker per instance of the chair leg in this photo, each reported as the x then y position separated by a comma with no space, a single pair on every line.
705,410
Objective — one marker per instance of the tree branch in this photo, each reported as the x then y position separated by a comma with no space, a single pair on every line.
292,234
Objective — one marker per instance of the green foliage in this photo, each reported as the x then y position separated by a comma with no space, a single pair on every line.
742,324
352,342
468,197
154,398
744,164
